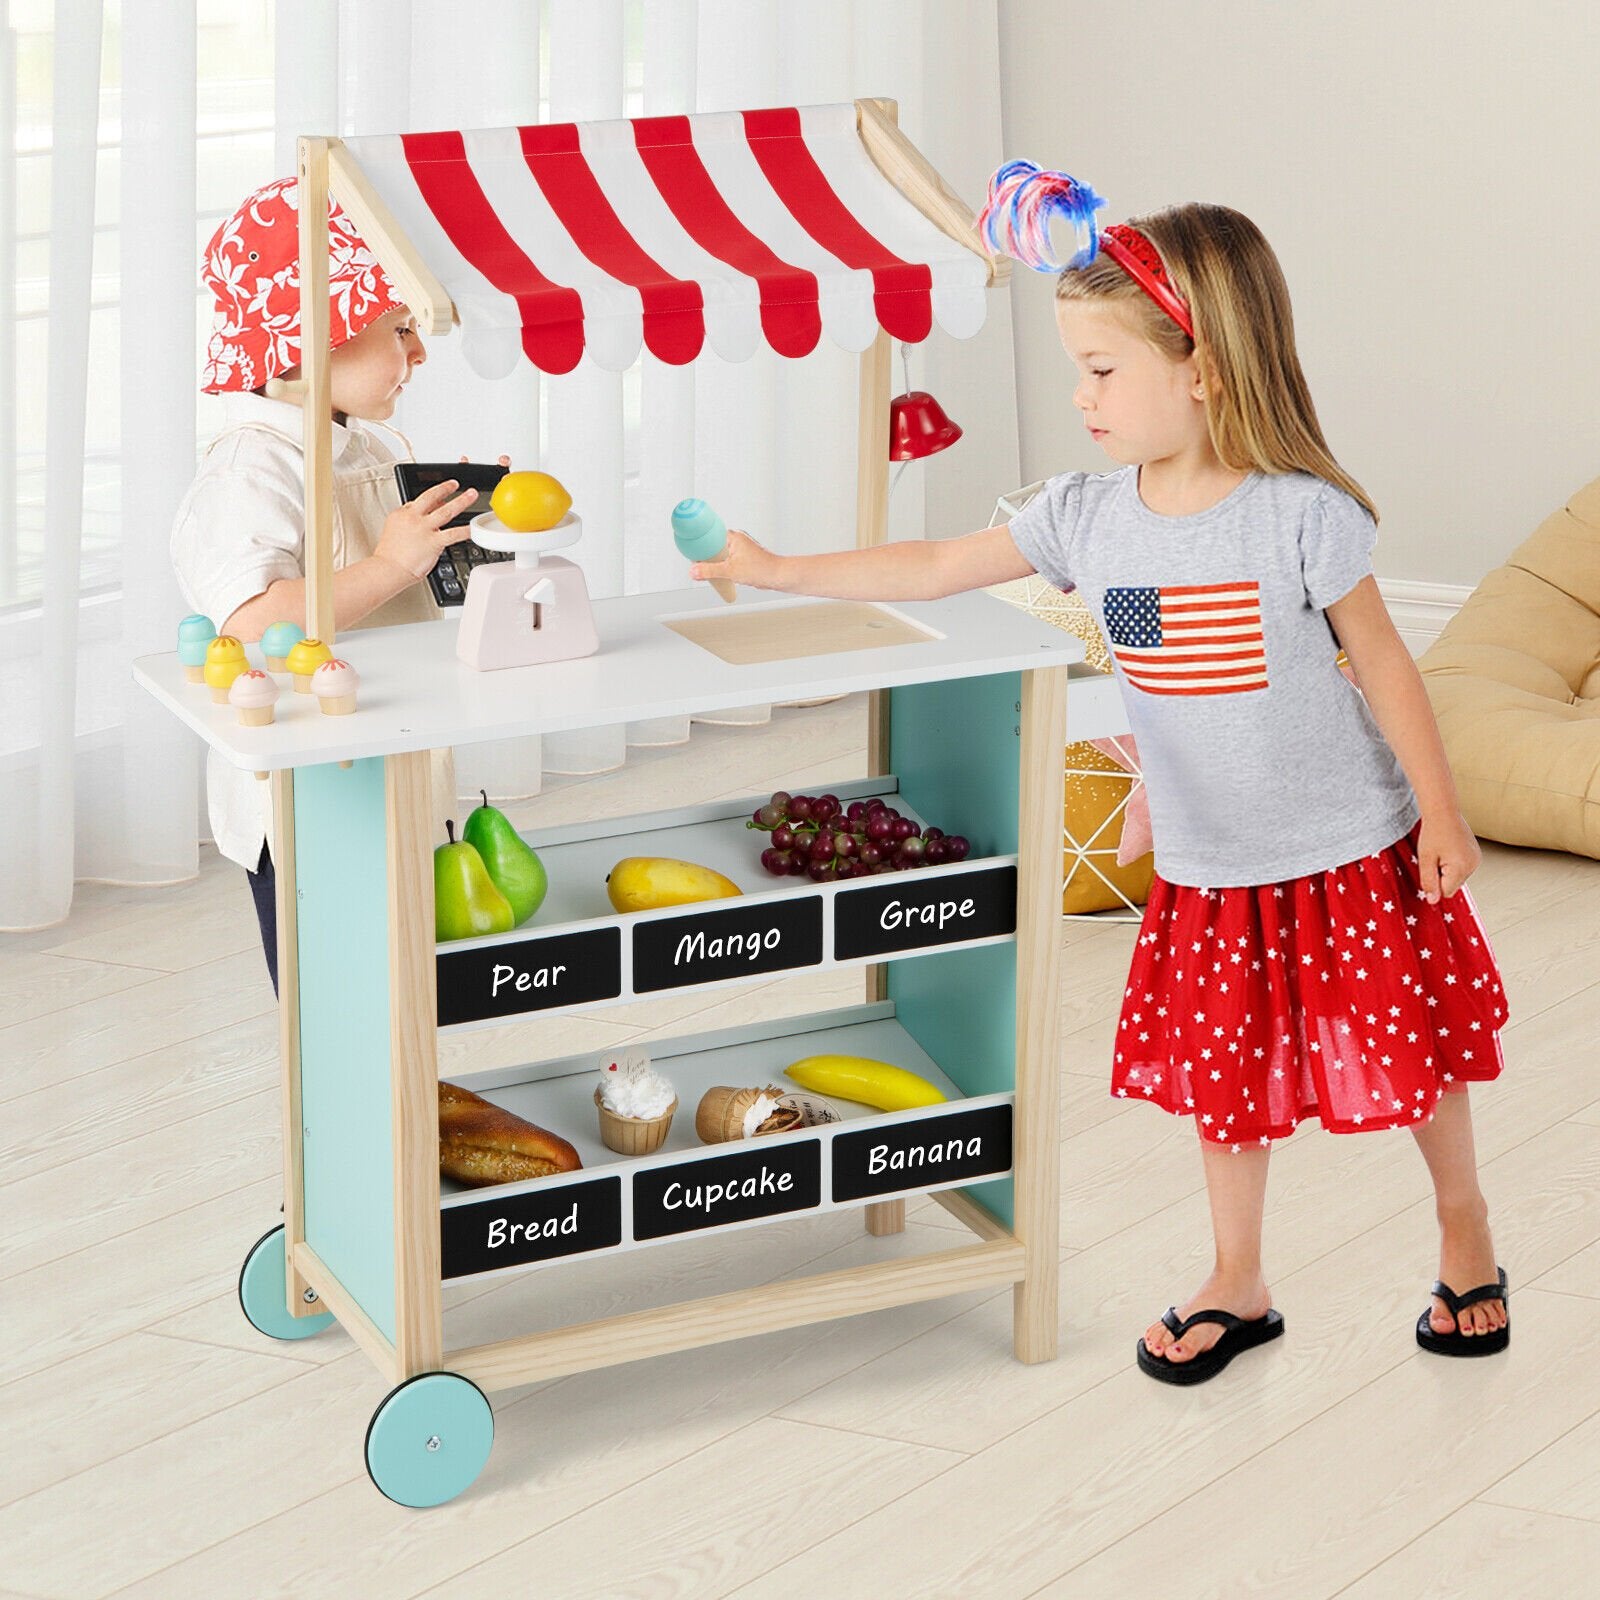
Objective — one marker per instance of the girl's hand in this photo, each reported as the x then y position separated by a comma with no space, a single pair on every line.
1447,855
505,461
414,535
743,561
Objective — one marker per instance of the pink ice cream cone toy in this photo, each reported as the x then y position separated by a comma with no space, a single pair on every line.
225,660
253,697
303,659
334,684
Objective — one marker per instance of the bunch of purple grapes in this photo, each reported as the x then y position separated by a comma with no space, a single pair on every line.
818,838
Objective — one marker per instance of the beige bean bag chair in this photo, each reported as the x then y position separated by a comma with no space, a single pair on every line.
1515,683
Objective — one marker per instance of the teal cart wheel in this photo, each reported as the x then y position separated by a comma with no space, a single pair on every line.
263,1281
429,1439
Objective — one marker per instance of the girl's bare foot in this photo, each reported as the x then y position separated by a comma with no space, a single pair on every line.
1245,1297
1466,1260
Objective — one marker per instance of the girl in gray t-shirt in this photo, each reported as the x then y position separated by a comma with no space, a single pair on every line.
1308,949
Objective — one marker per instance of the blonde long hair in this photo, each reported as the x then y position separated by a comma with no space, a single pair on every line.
1258,408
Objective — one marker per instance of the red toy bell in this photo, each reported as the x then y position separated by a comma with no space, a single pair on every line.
918,427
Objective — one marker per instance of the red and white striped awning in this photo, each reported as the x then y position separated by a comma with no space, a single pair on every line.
678,233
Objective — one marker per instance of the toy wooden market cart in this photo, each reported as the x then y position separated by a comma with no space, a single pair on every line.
545,243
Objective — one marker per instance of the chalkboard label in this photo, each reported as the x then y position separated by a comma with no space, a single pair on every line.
763,1180
913,910
922,1154
505,980
537,1225
709,946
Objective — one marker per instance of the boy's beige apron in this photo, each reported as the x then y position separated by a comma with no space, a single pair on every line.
362,500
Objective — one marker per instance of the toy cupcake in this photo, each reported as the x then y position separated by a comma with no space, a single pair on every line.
304,657
334,684
635,1104
195,633
253,697
225,660
725,1113
276,643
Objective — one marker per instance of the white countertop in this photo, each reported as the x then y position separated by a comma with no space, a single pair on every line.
415,694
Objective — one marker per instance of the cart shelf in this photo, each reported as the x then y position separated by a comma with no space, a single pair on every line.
579,952
615,1203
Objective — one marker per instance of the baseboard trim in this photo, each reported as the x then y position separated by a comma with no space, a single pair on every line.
1420,610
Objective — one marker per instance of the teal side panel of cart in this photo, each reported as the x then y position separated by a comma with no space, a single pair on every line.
955,747
346,1115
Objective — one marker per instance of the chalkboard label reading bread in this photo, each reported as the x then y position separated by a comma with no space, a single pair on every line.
537,1225
709,946
913,911
505,980
762,1181
922,1154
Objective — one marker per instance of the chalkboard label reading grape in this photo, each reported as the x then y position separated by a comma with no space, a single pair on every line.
912,911
505,980
538,1225
922,1154
708,946
765,1180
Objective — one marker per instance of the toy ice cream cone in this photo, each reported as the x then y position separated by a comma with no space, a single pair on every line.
254,698
725,1113
334,684
276,643
701,535
195,633
225,660
303,659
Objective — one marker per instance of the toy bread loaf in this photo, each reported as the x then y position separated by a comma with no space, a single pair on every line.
481,1143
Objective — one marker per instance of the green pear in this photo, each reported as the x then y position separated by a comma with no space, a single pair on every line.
466,904
517,871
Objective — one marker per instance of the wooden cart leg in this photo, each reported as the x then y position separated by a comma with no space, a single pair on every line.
301,1300
1037,1150
872,527
414,1065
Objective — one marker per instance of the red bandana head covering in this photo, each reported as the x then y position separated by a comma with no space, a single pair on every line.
252,266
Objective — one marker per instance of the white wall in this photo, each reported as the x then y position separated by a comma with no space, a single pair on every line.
1429,175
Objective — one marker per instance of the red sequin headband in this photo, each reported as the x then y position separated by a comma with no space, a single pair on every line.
1142,262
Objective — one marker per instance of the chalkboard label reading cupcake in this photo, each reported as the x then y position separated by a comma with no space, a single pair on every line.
734,1188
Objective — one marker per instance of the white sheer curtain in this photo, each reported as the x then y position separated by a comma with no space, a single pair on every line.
93,781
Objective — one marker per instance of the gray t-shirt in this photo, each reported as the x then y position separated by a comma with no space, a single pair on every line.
1262,760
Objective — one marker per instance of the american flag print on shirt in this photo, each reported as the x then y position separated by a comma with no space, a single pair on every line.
1200,638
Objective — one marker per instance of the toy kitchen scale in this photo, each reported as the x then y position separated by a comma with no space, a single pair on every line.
532,609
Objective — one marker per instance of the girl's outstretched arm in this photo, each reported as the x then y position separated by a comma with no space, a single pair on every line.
1447,851
906,569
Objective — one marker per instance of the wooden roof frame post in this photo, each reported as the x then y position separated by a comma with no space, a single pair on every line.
315,389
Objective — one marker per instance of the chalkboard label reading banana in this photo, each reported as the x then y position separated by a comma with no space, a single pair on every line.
913,913
922,1154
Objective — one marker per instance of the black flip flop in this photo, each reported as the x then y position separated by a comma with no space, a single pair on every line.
1238,1336
1456,1343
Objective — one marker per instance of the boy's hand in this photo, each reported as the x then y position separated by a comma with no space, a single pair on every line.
743,561
414,535
1447,855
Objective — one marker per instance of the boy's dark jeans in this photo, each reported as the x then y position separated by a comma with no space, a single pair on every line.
264,891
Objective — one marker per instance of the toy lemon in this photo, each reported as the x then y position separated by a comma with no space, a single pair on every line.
303,659
529,502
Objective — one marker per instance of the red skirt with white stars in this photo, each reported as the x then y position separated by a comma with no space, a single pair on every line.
1342,995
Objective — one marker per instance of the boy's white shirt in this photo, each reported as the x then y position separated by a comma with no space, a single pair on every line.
241,527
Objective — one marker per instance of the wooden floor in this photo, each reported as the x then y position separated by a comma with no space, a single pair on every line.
154,1445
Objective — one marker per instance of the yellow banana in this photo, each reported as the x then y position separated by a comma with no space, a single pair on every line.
642,883
860,1078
